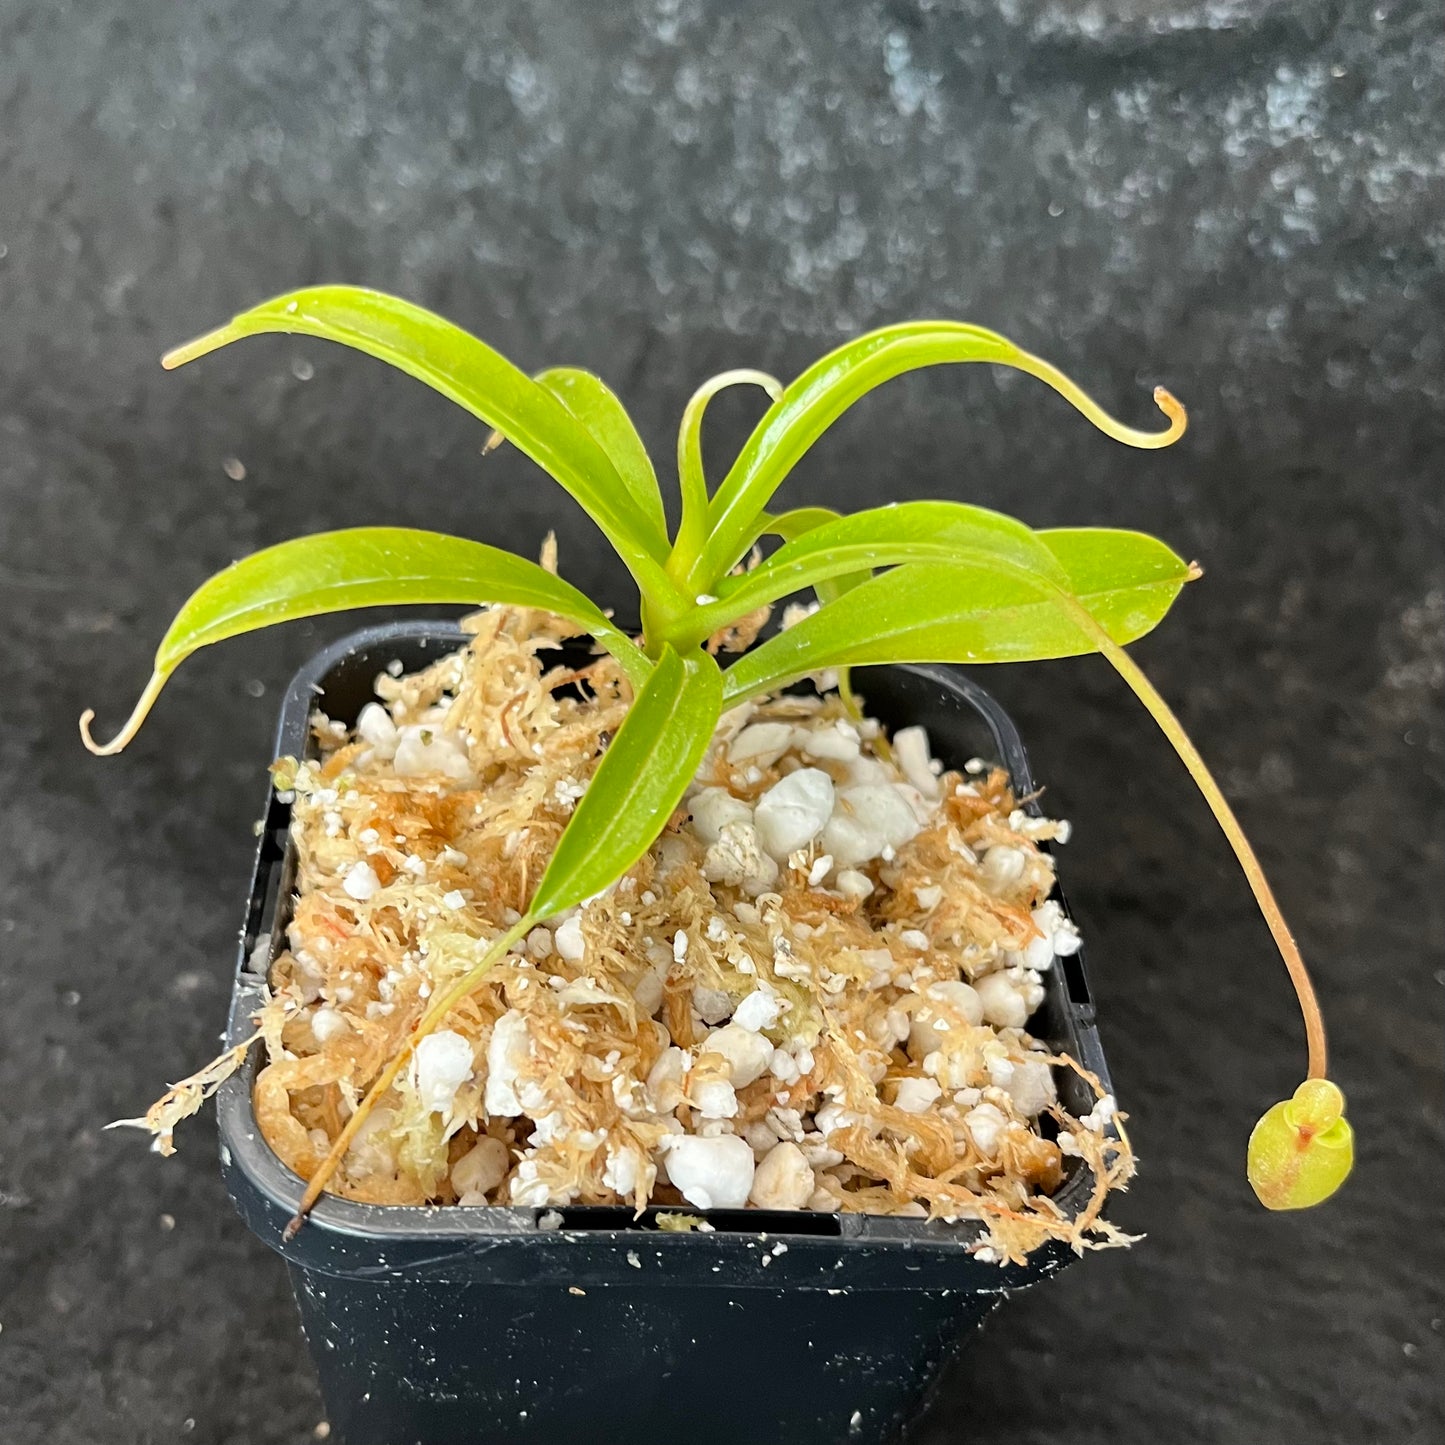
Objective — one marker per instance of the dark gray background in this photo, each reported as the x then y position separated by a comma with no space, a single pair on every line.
1238,198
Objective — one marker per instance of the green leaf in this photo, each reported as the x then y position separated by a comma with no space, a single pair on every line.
852,547
1127,580
831,385
791,525
978,611
478,379
365,567
691,479
638,783
596,406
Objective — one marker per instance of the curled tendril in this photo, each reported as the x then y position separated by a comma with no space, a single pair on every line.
1082,402
1173,408
213,340
133,723
1249,863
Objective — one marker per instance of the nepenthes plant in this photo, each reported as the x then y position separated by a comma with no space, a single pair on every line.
913,582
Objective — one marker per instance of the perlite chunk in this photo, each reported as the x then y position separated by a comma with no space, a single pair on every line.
441,1064
508,1052
867,820
710,1173
793,811
738,860
783,1180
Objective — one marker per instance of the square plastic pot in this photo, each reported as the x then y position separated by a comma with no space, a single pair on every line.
452,1326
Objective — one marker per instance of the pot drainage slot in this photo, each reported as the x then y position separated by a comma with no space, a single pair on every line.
1076,982
722,1221
263,913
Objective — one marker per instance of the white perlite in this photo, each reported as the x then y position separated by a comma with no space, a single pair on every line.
745,1053
441,1064
784,1179
712,1173
424,750
508,1052
761,744
361,882
866,820
910,747
480,1170
713,809
1004,1002
792,812
567,939
950,1004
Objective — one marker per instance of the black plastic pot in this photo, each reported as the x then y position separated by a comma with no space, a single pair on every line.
453,1326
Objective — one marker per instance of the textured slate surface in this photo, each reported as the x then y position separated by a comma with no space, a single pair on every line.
1242,200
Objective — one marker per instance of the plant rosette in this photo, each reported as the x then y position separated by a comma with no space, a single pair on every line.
646,926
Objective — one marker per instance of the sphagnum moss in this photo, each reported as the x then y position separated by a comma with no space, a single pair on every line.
811,992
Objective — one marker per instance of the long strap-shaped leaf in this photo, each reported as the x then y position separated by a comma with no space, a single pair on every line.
597,407
851,547
791,525
363,567
638,783
470,373
831,385
691,479
978,610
